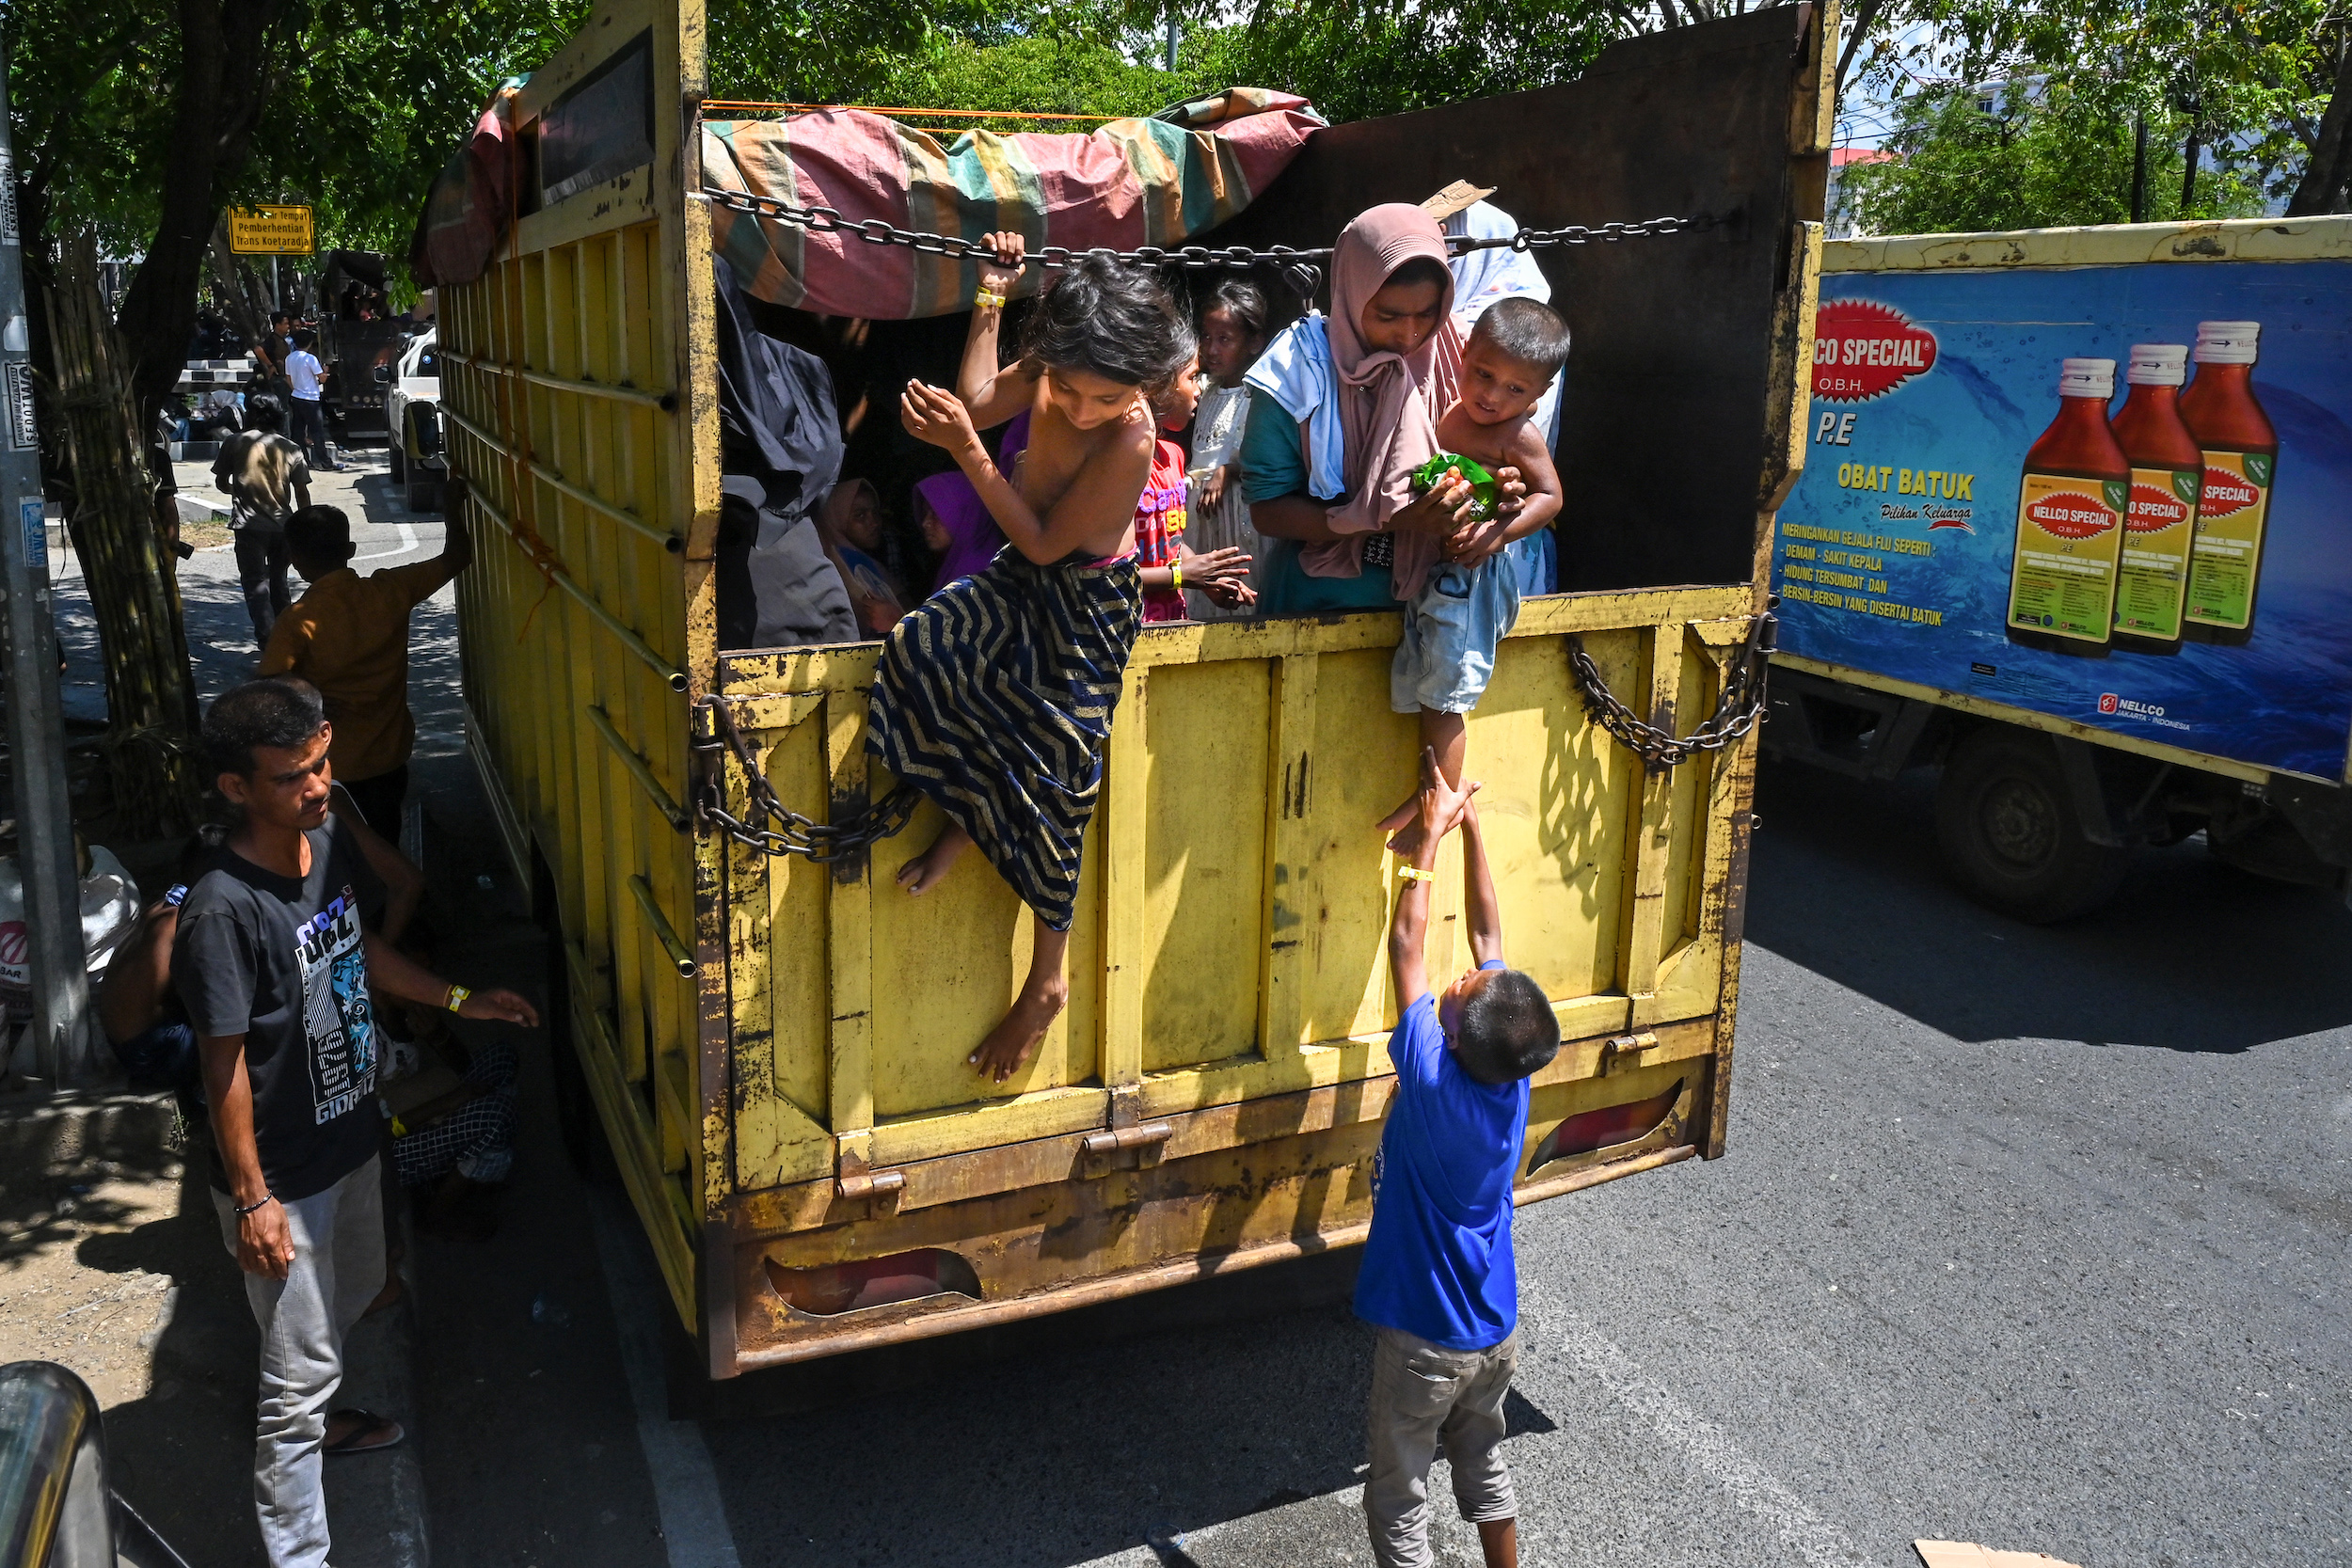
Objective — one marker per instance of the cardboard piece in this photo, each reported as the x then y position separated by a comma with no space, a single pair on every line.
1967,1554
1454,197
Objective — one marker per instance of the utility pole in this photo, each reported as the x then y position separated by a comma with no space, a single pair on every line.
44,816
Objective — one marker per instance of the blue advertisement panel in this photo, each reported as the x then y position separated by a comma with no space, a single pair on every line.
1961,526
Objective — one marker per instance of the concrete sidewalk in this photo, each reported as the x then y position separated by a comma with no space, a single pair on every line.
111,1263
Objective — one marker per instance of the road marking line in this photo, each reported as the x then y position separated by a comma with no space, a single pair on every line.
1705,1445
408,542
685,1483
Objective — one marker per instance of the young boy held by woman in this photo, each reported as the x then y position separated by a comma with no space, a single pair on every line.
1471,598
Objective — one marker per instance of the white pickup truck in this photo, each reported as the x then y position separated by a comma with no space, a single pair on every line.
412,418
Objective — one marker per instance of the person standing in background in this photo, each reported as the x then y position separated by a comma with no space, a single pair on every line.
265,478
269,355
348,636
1233,335
307,376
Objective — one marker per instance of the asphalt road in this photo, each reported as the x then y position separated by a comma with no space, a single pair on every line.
2029,1237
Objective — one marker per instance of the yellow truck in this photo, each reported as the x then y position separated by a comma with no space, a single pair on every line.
773,1047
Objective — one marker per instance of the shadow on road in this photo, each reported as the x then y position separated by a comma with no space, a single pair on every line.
2190,956
1105,1432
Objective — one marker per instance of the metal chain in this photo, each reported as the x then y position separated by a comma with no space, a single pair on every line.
1737,712
793,834
828,220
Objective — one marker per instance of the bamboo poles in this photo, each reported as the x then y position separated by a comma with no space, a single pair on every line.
126,562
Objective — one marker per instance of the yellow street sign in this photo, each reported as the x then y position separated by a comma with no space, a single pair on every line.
271,231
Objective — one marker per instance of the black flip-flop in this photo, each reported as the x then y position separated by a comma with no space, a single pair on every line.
370,1422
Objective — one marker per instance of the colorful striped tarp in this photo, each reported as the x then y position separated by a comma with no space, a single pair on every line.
1130,183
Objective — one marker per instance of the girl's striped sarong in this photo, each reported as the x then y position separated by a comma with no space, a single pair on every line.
993,699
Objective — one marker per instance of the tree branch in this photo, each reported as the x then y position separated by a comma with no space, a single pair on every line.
2329,171
1864,15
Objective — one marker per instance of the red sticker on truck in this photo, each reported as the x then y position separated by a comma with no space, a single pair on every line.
1863,350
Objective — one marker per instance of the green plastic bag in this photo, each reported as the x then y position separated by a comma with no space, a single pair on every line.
1483,489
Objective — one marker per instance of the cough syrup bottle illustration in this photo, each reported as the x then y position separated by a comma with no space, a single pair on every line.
2241,451
2070,521
2160,526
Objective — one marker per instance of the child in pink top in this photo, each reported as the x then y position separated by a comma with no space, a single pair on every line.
1169,565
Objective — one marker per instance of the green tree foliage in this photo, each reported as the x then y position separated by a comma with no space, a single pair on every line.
2250,84
1064,74
1355,60
1964,165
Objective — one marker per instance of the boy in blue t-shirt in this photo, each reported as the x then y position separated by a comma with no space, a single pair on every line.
1438,1277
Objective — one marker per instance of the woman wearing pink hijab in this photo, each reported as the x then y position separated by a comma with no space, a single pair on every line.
1351,408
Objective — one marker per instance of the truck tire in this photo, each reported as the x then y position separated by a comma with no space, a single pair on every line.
424,491
2009,832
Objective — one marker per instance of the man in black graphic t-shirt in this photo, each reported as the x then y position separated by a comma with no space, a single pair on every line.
274,965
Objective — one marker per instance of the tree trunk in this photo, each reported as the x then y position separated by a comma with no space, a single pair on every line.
2329,172
225,48
2188,173
127,564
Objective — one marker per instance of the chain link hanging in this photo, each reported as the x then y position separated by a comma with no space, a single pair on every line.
793,834
1302,269
1737,712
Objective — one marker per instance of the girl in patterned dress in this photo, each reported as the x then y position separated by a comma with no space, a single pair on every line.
994,697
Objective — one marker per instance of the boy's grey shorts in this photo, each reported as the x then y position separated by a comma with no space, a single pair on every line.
1422,1392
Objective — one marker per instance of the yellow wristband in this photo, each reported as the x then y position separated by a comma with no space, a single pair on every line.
983,298
458,995
1176,570
1415,874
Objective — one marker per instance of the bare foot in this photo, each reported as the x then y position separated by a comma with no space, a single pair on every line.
1404,824
1014,1041
922,873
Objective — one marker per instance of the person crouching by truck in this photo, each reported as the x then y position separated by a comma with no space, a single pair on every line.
1439,1279
348,636
276,962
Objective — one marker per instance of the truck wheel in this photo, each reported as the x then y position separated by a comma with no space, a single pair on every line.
424,492
2011,835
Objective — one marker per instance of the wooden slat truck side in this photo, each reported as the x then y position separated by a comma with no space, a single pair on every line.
773,1049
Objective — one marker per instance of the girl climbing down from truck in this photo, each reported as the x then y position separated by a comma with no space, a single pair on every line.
994,697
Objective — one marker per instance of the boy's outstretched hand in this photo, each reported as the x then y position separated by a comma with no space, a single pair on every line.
1441,803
